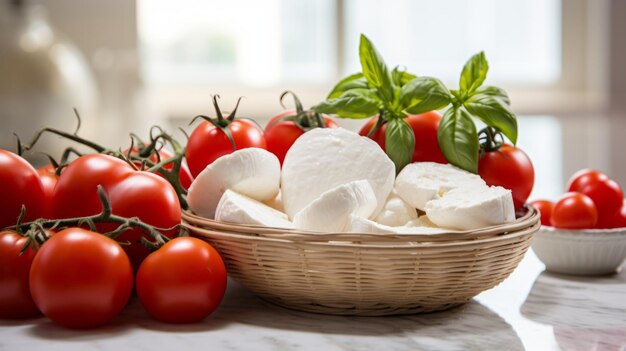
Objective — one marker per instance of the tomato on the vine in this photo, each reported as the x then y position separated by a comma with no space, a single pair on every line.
182,282
545,208
184,175
425,127
81,279
606,194
510,168
574,211
15,298
214,138
20,186
48,182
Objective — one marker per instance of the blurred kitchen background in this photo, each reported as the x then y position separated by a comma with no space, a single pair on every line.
126,65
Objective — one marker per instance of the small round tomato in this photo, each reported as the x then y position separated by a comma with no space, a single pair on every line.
48,181
585,177
81,279
574,211
15,298
545,209
182,282
606,194
619,220
20,186
424,127
510,168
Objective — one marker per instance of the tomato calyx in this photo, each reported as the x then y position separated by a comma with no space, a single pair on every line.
221,122
303,119
488,138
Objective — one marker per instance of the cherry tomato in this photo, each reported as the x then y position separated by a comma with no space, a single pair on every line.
424,127
81,279
207,143
15,298
574,211
606,194
20,186
151,199
182,282
184,175
280,135
48,181
619,220
510,168
545,209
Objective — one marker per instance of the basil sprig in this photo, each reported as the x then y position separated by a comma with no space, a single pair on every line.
395,94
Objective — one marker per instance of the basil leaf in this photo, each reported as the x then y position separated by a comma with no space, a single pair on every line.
374,69
424,94
495,112
474,73
400,77
399,143
458,139
368,93
353,81
354,106
495,92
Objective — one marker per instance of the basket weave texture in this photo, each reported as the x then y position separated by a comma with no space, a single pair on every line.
367,274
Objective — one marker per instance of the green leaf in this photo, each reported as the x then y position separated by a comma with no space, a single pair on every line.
353,81
494,112
495,92
424,94
374,69
401,77
474,73
458,139
367,93
399,143
352,106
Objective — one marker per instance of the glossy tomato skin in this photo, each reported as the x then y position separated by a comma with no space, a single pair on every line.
280,135
619,220
184,175
150,198
21,186
424,127
15,299
76,194
48,182
208,143
182,282
81,279
606,194
574,211
510,168
545,208
585,177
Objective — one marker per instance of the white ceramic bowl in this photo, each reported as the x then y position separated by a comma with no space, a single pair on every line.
581,251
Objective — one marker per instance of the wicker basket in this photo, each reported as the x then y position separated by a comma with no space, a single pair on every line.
367,274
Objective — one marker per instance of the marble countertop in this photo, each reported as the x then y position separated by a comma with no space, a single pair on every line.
531,310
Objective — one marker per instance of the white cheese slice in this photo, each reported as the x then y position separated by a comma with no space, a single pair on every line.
325,158
396,212
240,209
330,211
276,203
472,208
421,182
358,224
252,172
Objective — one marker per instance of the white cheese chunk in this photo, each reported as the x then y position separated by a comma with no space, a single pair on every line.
252,172
276,203
325,158
472,208
358,224
240,209
396,212
421,182
330,211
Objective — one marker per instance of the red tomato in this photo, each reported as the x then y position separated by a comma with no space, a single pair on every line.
424,127
184,175
619,221
15,298
81,279
20,186
574,211
48,181
151,199
182,282
510,168
606,194
545,209
76,195
280,135
207,143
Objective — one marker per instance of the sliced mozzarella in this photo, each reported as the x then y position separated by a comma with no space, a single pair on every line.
252,172
330,211
240,209
358,224
325,158
276,203
472,208
396,212
421,182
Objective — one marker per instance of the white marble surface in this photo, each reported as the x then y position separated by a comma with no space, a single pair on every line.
532,310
